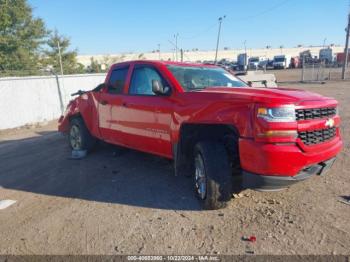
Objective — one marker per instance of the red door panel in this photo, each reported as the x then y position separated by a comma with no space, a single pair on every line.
109,123
142,128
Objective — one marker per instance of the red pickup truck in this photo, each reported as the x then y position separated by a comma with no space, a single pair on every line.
225,134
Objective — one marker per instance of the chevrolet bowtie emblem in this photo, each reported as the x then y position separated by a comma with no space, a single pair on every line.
330,123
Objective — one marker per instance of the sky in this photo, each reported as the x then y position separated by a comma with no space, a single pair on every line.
116,26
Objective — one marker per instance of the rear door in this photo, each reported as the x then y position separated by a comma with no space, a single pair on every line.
110,103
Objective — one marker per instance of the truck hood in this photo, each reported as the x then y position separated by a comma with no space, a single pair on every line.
264,95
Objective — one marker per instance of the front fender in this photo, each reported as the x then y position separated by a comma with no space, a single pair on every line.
63,121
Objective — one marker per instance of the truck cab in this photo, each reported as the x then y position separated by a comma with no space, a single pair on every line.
255,61
242,61
281,61
224,134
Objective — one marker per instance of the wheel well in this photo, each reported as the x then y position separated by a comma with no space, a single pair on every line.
77,115
190,134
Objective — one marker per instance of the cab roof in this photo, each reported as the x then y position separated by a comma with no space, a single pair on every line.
161,62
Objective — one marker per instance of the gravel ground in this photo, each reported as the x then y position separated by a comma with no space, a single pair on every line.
120,201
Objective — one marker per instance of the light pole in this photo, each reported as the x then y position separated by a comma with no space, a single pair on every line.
346,50
60,56
159,51
175,36
217,41
245,54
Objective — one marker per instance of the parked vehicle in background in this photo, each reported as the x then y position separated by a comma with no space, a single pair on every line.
341,58
307,57
234,66
208,62
326,55
269,64
226,135
242,61
224,63
263,64
281,61
295,62
253,62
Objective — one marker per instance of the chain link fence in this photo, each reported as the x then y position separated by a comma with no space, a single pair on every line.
315,72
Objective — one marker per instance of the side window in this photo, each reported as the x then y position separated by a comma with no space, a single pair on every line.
141,80
117,80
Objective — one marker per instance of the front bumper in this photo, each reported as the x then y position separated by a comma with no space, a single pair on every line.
286,160
273,183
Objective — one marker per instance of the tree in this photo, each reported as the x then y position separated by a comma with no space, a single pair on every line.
109,60
58,43
94,66
21,36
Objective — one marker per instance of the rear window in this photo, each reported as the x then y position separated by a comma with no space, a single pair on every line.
117,80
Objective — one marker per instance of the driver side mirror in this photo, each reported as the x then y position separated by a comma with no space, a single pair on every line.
159,89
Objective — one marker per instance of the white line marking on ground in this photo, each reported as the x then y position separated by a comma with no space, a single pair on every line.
6,203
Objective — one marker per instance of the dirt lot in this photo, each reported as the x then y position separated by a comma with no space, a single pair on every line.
119,201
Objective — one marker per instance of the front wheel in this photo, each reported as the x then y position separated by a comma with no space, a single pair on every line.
79,136
212,175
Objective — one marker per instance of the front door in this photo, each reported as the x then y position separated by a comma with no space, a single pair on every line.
146,116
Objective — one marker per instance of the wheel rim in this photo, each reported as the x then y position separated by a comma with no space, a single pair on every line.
75,138
200,177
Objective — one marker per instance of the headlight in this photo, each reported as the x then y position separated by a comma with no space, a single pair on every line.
277,114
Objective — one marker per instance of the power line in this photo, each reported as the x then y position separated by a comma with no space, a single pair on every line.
238,19
200,33
262,12
211,27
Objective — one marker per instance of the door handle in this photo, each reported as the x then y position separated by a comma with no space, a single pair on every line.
125,104
103,102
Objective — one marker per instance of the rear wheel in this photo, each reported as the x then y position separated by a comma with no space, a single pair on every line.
212,175
79,136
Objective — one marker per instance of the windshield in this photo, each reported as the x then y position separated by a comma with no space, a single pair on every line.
253,60
279,59
194,78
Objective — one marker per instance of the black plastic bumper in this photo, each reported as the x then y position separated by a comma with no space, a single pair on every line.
273,183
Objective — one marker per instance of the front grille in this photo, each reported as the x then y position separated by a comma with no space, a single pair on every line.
314,113
317,136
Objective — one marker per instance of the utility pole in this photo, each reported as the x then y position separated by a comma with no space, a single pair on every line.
159,51
245,55
217,41
60,56
346,50
175,36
